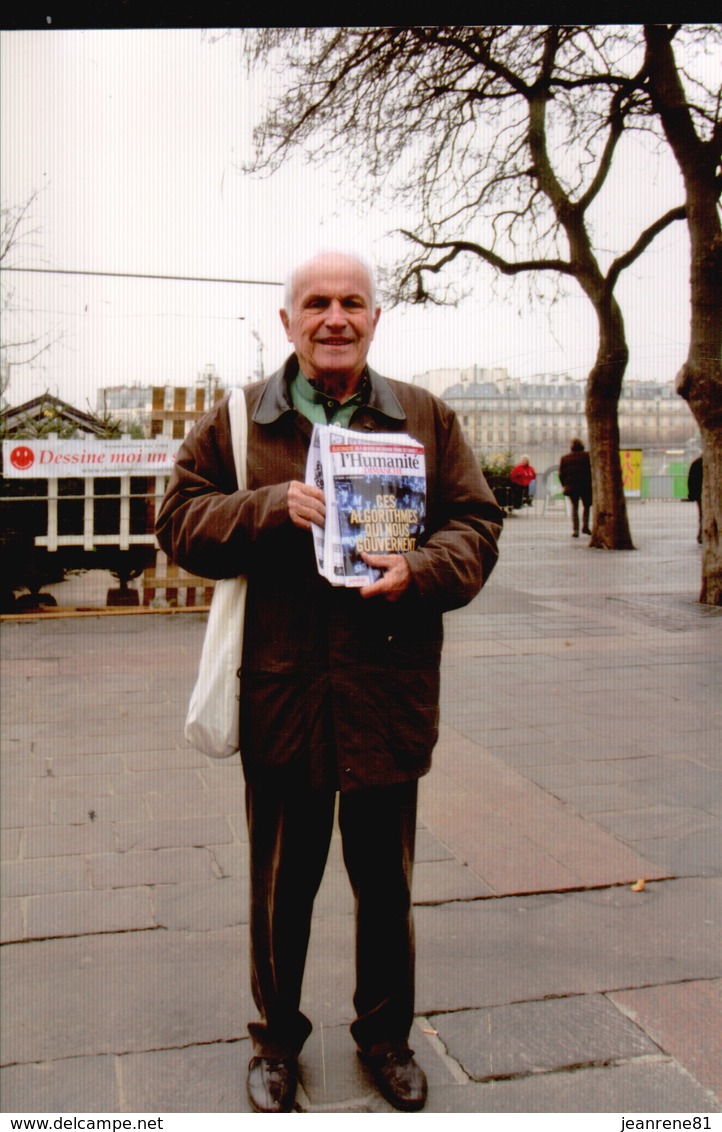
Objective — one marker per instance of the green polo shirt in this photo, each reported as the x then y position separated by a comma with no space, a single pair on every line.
319,408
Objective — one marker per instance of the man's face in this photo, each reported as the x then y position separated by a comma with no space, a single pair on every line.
332,318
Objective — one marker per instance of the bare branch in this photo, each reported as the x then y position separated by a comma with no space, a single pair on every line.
616,129
15,237
455,248
642,243
12,218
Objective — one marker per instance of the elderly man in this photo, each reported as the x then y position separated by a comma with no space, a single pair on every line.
339,687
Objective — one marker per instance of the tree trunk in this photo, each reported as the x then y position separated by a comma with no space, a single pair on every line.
610,527
700,379
711,592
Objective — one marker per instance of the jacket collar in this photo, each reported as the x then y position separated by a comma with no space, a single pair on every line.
275,399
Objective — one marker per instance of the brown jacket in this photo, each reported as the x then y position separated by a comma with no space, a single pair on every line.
575,475
341,689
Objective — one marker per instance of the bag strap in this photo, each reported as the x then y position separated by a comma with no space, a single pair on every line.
238,416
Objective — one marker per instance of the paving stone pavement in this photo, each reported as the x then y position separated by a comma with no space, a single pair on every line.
579,755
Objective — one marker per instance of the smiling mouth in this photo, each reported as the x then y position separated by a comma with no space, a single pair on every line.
334,342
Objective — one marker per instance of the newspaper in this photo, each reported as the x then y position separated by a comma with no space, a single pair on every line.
375,489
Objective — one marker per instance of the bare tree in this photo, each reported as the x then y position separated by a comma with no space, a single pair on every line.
16,236
693,129
504,139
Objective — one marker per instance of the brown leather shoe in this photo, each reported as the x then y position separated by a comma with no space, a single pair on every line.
272,1083
399,1079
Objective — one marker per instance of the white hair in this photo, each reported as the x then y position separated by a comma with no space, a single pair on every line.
290,284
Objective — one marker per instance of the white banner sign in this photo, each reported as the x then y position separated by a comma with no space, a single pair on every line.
62,459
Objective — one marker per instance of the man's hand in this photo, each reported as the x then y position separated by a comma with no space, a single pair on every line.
395,579
306,505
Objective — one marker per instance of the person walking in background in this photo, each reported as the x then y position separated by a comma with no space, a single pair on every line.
575,475
523,478
694,490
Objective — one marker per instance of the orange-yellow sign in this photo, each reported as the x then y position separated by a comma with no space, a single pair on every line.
631,461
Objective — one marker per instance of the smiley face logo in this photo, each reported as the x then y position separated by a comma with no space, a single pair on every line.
22,458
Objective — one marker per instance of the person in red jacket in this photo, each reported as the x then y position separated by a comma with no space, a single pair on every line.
523,478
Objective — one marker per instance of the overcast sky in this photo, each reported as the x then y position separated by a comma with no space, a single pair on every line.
134,139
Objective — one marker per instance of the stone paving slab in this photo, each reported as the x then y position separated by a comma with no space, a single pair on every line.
202,907
643,1087
685,1019
88,913
72,1084
533,1037
513,834
199,1078
626,773
151,867
184,831
436,882
120,993
193,802
695,854
18,811
69,840
10,843
42,875
76,811
648,822
334,1078
516,949
231,860
335,897
686,785
12,919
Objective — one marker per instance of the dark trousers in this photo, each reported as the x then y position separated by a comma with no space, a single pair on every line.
574,499
519,495
289,832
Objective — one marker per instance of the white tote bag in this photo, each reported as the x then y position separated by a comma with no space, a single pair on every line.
212,723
